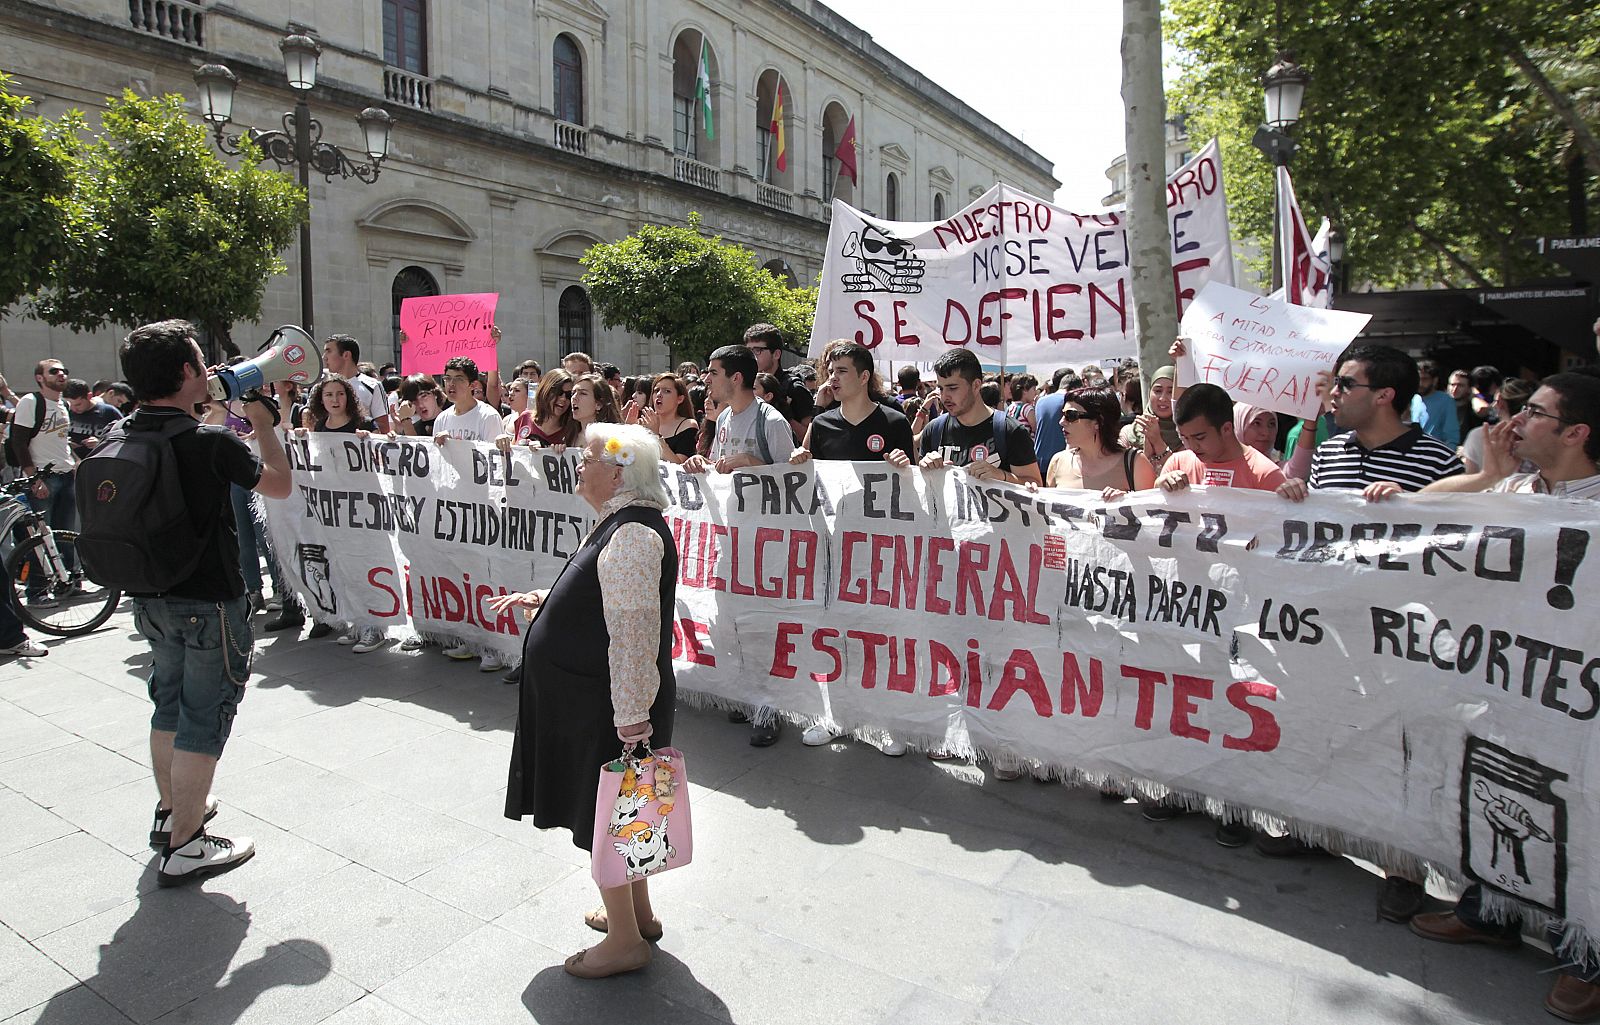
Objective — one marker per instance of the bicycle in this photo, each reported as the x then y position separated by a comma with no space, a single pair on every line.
67,604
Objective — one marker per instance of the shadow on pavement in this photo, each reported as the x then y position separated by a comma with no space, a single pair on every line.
556,998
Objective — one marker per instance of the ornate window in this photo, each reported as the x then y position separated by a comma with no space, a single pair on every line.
574,326
938,206
891,197
405,36
569,80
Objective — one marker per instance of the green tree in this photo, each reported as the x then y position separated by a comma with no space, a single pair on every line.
35,193
694,292
1423,135
161,227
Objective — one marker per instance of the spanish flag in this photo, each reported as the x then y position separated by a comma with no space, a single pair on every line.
779,144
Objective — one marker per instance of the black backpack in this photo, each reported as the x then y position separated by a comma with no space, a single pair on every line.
135,532
14,459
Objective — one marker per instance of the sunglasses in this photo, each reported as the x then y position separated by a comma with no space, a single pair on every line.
566,393
1350,384
895,248
1072,416
57,370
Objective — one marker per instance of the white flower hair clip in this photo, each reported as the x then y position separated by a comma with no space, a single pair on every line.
616,453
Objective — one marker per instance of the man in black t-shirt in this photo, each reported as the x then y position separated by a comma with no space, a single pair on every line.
89,418
970,434
199,629
860,428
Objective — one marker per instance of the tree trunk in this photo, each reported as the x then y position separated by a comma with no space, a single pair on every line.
1564,108
222,344
1455,258
1149,236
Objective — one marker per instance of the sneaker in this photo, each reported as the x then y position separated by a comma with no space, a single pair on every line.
371,640
413,643
161,828
352,636
203,856
460,652
734,715
258,602
492,663
42,601
25,649
819,734
894,748
512,678
285,620
275,603
318,630
1159,811
1007,775
765,736
939,754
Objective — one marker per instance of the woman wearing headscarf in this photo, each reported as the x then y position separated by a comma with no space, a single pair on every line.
1153,430
597,672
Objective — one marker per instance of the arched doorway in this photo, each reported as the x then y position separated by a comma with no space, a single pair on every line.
781,270
689,136
774,130
410,283
837,177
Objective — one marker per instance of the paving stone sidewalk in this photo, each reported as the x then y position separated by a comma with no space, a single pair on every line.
830,884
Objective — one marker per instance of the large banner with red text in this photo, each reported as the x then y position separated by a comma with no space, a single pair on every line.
1017,279
1415,681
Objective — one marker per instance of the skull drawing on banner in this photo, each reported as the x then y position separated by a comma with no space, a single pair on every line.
646,851
883,263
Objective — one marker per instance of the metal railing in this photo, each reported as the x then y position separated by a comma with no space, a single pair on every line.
687,169
572,138
178,20
408,89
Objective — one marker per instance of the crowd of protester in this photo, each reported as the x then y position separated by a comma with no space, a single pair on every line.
1385,428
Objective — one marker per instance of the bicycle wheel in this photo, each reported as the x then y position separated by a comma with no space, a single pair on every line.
64,608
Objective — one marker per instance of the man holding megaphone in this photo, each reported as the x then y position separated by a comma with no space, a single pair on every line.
158,522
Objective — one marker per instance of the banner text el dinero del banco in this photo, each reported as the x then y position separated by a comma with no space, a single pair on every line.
1415,680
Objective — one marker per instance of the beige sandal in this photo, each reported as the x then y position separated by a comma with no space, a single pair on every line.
596,920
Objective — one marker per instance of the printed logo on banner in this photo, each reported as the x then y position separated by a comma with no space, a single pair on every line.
1513,825
1055,551
884,263
875,443
317,574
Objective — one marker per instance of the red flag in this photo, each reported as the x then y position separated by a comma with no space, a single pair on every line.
1307,271
846,153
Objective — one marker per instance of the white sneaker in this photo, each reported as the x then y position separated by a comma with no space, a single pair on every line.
161,828
351,637
894,748
493,663
204,856
413,643
25,649
460,653
819,734
371,640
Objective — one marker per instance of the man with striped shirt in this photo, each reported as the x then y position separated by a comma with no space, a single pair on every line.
1378,454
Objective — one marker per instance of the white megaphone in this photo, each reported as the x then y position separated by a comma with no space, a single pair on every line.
290,354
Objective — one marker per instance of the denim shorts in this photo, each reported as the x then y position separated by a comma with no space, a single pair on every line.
201,648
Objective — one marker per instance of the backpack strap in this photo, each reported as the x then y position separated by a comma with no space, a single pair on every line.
763,408
38,411
939,425
998,426
1128,456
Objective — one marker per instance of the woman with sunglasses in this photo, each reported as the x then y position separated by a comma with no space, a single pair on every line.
1094,458
548,421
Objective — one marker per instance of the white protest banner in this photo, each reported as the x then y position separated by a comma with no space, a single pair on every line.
1019,280
1414,681
1263,351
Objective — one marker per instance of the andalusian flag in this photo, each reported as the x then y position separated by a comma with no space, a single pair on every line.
778,142
702,88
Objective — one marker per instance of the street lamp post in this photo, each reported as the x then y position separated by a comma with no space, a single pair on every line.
1336,257
1285,86
299,143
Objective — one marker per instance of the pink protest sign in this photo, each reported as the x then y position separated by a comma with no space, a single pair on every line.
439,328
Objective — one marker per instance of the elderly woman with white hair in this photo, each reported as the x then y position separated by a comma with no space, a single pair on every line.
597,672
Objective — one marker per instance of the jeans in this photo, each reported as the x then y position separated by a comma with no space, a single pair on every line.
202,658
60,510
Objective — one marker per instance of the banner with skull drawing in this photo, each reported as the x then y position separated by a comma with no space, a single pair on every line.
1414,681
1019,280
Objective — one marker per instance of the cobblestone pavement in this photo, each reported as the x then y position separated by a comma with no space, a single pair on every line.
830,884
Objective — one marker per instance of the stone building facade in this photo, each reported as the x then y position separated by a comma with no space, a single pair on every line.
526,131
